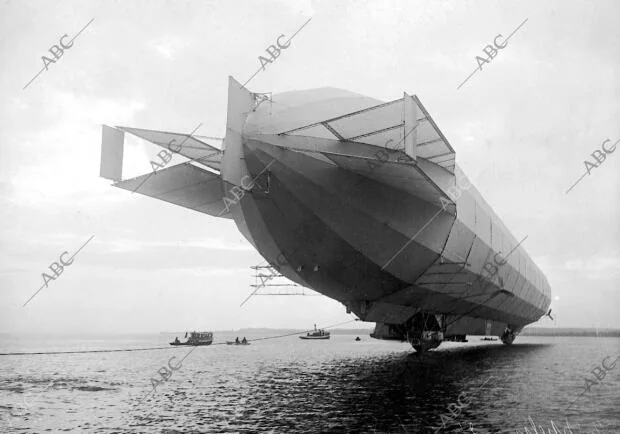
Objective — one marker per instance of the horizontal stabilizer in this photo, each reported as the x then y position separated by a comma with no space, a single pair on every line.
402,124
190,146
394,168
408,177
185,185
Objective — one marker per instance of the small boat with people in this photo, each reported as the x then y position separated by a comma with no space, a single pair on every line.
195,339
316,334
244,341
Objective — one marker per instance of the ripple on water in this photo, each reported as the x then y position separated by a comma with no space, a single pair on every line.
336,386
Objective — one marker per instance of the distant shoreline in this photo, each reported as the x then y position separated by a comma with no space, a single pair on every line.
528,331
570,331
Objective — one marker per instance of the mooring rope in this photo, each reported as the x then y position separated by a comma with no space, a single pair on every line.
85,351
164,348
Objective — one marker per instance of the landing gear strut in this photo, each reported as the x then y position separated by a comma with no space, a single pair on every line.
508,336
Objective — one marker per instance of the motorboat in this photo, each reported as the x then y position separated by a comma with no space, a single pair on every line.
316,334
195,339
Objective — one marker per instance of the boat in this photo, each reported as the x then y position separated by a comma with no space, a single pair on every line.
316,334
358,199
195,339
243,341
456,338
357,339
488,338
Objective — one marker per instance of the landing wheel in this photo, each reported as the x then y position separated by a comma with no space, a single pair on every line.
424,332
423,348
423,345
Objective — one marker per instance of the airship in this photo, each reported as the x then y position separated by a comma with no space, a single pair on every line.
357,199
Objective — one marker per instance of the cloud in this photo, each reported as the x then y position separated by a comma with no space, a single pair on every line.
597,267
132,245
304,7
202,272
66,157
167,46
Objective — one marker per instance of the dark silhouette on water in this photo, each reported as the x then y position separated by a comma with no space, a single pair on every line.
195,339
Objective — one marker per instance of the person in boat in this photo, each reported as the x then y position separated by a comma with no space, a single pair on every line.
244,341
237,340
176,340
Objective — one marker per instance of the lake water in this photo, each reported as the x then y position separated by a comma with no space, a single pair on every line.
289,385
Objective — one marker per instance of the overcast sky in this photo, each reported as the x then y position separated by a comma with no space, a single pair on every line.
525,124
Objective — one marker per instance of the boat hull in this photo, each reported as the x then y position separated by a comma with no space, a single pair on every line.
201,344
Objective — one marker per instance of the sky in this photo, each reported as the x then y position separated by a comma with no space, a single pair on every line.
522,128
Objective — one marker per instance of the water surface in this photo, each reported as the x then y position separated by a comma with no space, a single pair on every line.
290,385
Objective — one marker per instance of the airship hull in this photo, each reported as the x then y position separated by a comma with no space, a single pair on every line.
388,249
332,230
361,201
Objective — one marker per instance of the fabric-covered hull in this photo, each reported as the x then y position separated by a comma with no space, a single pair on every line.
351,238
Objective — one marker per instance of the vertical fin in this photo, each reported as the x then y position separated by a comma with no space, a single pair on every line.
233,168
411,124
112,145
240,102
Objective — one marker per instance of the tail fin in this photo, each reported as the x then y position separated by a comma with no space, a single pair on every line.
240,104
112,145
185,184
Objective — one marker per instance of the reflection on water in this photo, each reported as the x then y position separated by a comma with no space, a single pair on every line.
322,386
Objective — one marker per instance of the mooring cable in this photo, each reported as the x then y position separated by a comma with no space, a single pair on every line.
163,348
84,351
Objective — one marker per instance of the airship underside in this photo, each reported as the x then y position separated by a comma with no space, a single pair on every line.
360,201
